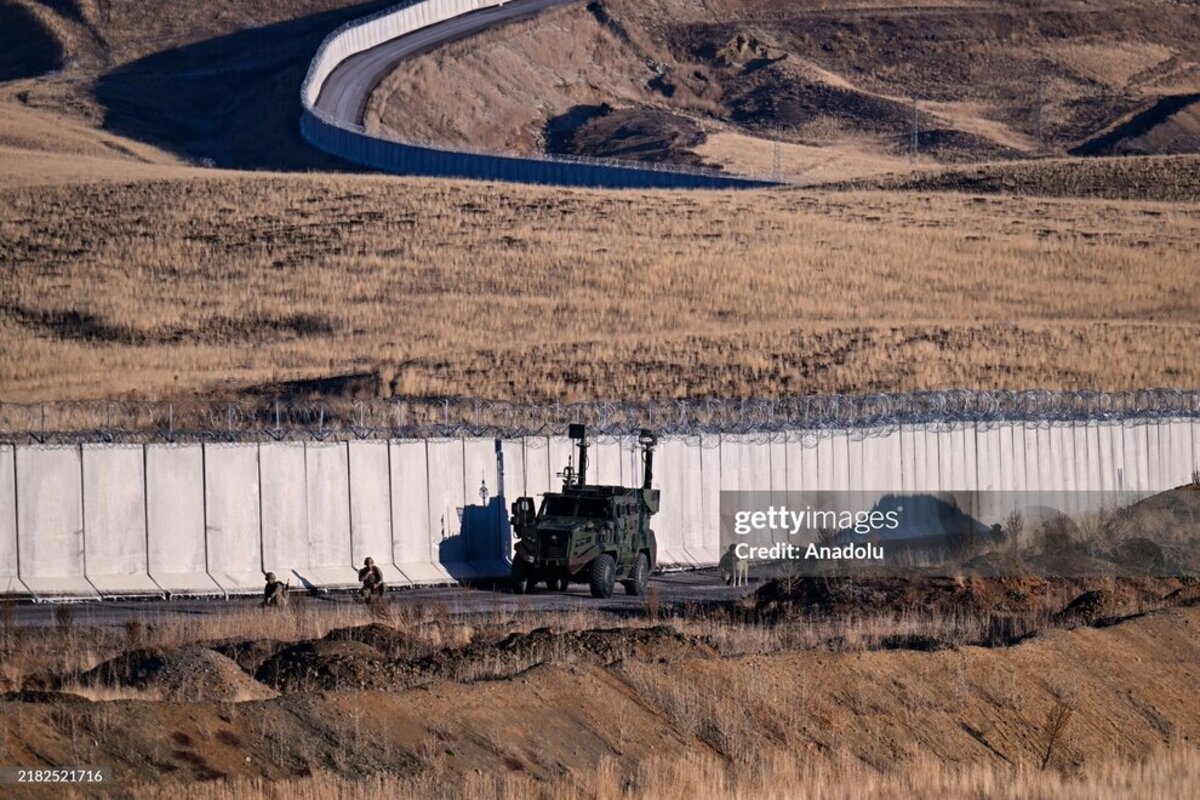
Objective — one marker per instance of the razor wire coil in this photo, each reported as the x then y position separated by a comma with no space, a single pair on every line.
65,422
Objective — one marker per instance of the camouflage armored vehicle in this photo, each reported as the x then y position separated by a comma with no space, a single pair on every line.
599,535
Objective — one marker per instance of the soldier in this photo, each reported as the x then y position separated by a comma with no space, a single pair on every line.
372,580
274,593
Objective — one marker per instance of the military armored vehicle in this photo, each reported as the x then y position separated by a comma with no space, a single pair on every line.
599,535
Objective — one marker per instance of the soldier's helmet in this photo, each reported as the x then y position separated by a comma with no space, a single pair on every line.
270,577
370,562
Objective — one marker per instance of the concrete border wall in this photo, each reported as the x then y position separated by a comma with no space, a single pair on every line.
50,521
177,554
114,520
10,582
101,519
347,140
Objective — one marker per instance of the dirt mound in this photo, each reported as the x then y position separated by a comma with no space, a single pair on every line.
847,596
190,674
520,651
1160,533
389,641
636,133
249,654
328,665
747,51
1092,608
1003,600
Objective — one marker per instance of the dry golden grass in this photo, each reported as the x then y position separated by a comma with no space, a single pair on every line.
968,721
775,775
157,288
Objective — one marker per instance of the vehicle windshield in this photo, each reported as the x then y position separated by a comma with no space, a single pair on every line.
593,509
558,507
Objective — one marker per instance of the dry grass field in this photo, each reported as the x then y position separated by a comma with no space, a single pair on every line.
126,272
205,282
411,700
776,777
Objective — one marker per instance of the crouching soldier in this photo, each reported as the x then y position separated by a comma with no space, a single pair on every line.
274,593
372,580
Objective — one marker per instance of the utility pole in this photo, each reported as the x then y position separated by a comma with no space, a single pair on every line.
1041,142
916,129
777,165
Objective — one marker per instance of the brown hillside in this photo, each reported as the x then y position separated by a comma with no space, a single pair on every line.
810,74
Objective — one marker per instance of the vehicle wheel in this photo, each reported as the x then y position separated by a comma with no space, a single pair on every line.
639,577
602,576
556,584
522,580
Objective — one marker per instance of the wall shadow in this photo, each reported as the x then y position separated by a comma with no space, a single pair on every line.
232,101
479,539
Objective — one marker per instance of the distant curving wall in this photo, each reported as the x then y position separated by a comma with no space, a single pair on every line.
346,139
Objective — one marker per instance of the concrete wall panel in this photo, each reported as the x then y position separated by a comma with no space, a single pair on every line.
1136,458
371,508
912,457
883,461
537,468
10,583
1087,457
989,467
710,497
696,545
605,467
284,512
485,514
949,454
730,461
447,497
778,454
701,534
989,474
671,479
840,476
413,545
232,509
929,460
1175,440
50,521
1106,457
801,457
327,489
856,460
114,519
513,453
1155,477
1037,458
177,553
1019,470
